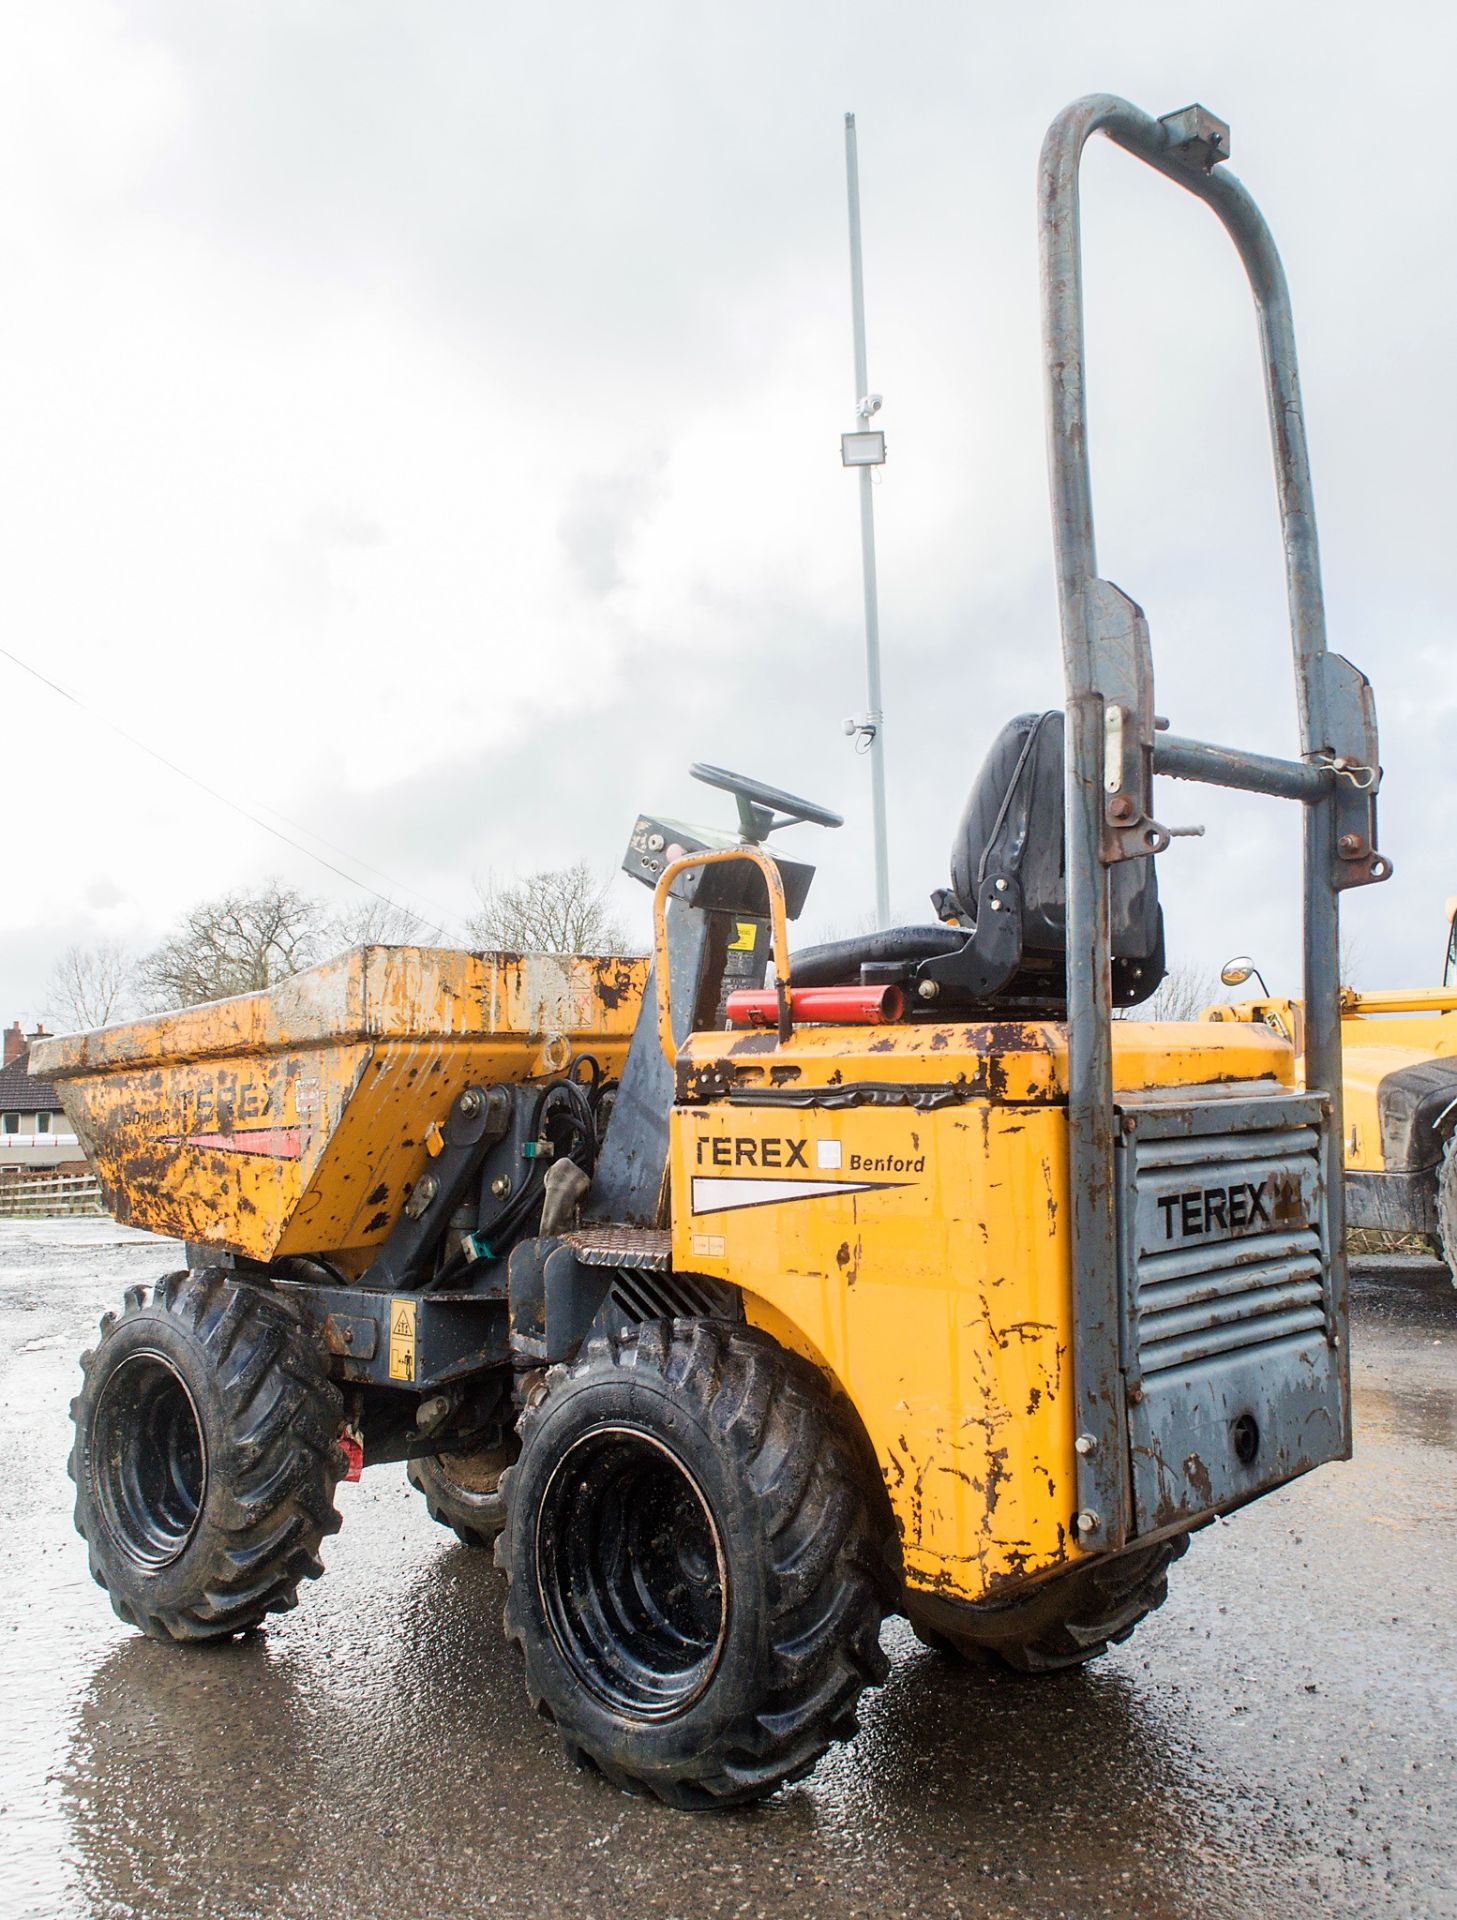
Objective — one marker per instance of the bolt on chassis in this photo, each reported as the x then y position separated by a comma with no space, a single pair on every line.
740,1316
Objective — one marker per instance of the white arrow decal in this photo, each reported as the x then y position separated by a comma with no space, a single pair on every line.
714,1195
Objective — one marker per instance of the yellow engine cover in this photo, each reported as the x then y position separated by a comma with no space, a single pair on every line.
920,1256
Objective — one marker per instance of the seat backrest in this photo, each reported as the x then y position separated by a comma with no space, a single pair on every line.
1013,823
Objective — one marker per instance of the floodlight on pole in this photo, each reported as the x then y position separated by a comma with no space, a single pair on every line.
864,448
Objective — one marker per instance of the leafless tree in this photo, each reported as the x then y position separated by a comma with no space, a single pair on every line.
1183,994
1352,959
559,910
379,923
235,944
90,985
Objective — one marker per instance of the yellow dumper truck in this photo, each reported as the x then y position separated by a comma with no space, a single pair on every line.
742,1314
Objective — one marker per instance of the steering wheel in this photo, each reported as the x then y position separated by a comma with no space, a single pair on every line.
763,808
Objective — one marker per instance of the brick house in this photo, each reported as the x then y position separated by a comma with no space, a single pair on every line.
34,1134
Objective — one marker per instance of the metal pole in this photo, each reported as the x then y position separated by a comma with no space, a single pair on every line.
863,410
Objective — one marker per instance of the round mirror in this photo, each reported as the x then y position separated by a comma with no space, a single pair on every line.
1235,972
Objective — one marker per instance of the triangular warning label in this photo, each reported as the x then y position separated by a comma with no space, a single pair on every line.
403,1324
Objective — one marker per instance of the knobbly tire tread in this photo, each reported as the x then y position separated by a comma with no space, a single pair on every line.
1065,1622
1447,1206
472,1526
271,1418
827,1534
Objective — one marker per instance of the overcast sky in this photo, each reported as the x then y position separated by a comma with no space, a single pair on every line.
421,423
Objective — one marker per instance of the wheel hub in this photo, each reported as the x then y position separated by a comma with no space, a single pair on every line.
630,1569
148,1459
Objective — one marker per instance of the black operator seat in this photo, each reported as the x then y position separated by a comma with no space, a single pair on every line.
1000,946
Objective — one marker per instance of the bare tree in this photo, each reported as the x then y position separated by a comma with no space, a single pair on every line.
90,985
373,922
235,944
1352,959
559,910
1183,994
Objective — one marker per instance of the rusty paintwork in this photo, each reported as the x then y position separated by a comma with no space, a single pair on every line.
295,1121
1004,1060
918,1253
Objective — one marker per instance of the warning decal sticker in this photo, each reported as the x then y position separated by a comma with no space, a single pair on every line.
271,1143
402,1339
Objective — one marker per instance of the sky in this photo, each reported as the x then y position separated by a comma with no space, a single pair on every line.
420,425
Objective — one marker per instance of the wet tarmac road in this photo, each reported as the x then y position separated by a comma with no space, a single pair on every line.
1280,1739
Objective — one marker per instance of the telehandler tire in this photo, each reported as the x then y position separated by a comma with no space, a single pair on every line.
698,1564
1447,1205
1063,1623
463,1491
206,1456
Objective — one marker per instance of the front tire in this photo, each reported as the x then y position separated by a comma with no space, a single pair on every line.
698,1562
206,1456
1065,1622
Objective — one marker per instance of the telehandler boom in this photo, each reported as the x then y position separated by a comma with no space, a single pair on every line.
742,1314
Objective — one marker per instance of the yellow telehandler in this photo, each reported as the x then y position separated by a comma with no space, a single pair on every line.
742,1314
1399,1093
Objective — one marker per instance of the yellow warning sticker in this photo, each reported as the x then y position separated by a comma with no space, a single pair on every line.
402,1339
743,940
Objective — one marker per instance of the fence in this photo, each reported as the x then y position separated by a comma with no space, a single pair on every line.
54,1197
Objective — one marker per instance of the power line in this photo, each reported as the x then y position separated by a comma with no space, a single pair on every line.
226,800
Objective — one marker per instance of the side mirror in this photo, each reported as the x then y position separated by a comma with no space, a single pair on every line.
1239,970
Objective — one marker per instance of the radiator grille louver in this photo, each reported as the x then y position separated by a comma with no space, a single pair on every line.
1227,1251
1230,1333
669,1296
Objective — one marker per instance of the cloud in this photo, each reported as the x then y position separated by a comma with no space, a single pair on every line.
421,425
602,514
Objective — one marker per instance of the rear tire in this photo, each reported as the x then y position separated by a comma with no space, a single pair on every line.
1447,1206
463,1491
1065,1622
698,1564
206,1456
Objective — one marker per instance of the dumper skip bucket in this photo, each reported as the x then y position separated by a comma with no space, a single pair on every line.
296,1121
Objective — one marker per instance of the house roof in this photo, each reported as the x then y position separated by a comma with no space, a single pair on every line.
20,1094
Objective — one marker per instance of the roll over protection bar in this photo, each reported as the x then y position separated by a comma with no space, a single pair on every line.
1113,750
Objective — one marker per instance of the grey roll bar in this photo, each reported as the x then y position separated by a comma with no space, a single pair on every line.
1112,751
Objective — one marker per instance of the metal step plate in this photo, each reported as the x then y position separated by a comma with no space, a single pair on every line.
612,1246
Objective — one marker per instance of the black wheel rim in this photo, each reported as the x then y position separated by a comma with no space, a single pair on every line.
630,1569
148,1459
